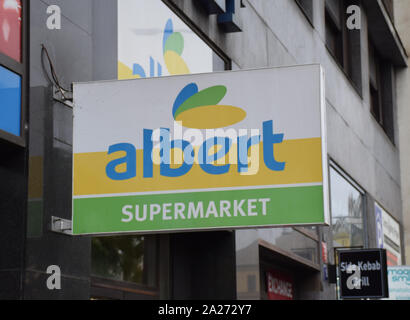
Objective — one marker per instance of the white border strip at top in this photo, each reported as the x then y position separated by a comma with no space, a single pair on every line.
198,190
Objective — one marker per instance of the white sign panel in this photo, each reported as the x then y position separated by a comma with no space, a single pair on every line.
210,151
388,235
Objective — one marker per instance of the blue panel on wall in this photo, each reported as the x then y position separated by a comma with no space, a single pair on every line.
228,21
10,101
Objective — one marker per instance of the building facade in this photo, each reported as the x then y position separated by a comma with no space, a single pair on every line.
402,13
124,39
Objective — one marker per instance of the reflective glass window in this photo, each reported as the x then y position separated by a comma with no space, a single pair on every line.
293,241
119,258
347,212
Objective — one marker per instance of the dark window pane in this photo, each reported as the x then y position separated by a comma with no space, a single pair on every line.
373,66
343,43
375,103
387,88
293,241
353,56
381,78
374,80
333,8
307,7
334,40
388,4
119,258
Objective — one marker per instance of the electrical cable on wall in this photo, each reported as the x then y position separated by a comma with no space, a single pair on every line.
54,78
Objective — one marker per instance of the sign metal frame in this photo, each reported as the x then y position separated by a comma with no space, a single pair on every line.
323,144
383,274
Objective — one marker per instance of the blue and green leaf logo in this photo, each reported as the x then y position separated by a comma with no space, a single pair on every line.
200,109
173,46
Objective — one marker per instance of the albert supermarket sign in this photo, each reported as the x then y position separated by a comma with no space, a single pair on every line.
228,150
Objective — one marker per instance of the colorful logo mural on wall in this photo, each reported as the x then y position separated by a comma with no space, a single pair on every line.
173,47
154,42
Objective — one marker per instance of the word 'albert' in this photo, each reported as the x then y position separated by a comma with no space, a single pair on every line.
205,160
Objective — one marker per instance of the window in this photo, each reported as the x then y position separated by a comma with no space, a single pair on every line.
343,44
124,258
334,37
307,8
381,90
374,82
346,201
293,240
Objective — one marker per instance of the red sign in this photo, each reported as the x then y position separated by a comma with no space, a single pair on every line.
10,28
392,259
280,286
324,252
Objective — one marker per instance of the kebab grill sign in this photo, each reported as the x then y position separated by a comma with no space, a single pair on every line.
363,274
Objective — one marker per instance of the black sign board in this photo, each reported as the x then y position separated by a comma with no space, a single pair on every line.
363,274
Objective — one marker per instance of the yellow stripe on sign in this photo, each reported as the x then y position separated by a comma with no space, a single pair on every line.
303,165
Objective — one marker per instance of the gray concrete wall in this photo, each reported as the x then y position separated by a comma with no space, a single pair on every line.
402,16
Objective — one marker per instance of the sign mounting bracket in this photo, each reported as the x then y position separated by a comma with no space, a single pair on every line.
60,225
63,96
